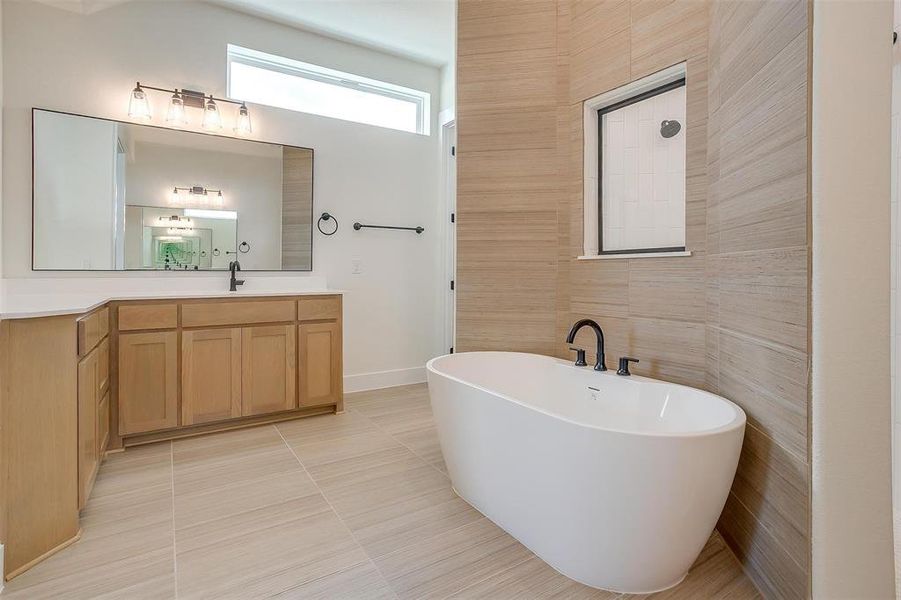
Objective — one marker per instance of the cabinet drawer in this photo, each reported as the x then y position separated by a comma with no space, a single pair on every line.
205,314
314,309
91,329
148,316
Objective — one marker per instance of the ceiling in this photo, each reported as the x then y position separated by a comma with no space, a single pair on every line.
422,30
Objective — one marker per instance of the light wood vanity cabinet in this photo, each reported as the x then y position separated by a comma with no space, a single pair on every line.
269,373
320,360
92,398
133,372
225,361
148,381
210,375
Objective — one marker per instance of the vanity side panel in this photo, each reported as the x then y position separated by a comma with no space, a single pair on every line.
40,438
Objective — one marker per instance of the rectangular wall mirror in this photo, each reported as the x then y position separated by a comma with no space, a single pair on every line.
116,196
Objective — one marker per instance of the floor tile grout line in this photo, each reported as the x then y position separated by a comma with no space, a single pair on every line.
172,484
389,434
446,475
431,537
335,512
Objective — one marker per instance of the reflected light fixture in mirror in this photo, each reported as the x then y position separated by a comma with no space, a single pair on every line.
212,120
138,106
182,196
176,114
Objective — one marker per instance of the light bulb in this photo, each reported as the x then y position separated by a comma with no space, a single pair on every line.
174,198
219,201
176,114
212,120
138,106
242,127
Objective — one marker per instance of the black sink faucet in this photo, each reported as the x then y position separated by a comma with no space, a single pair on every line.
234,283
598,332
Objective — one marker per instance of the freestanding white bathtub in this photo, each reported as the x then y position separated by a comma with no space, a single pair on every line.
616,482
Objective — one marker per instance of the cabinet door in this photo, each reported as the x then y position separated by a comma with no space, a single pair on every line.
103,365
148,381
103,427
88,385
269,369
210,375
320,364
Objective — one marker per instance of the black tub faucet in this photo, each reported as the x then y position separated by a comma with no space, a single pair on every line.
234,283
624,365
598,332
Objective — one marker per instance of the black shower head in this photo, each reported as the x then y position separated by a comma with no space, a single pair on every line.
669,129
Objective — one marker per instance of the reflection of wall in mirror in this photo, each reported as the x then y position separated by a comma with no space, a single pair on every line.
251,184
74,197
297,208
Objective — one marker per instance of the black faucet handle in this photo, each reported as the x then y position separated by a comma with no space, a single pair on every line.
580,356
624,365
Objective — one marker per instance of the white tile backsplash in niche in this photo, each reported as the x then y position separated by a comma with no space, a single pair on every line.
643,174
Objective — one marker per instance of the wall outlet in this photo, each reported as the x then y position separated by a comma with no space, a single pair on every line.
356,266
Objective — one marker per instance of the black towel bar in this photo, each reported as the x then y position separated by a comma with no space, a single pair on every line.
358,226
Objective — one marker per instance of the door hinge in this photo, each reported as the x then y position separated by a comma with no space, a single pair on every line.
452,284
453,218
453,151
451,350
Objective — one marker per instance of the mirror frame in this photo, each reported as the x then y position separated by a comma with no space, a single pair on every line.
35,109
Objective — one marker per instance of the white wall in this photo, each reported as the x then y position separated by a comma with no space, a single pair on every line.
88,64
851,513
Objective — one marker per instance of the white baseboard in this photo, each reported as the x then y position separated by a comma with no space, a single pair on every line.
383,379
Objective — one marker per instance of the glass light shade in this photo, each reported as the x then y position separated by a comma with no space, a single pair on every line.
175,197
242,127
212,120
138,106
176,114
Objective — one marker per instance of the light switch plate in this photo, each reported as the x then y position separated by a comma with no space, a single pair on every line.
356,266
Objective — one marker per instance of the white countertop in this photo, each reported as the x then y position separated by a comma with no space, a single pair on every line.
28,298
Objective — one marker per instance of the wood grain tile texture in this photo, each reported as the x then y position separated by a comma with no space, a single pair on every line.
353,507
733,317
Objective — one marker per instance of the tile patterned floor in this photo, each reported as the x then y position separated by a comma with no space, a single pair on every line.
356,506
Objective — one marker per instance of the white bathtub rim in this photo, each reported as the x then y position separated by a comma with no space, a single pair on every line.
737,422
570,577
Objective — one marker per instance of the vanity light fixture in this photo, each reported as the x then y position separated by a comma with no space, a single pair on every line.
139,108
176,114
243,126
212,120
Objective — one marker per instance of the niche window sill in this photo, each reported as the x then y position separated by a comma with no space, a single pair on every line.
635,255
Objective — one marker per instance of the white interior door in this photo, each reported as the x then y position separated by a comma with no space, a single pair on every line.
450,174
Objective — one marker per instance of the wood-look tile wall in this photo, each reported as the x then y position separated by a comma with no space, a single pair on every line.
732,317
758,244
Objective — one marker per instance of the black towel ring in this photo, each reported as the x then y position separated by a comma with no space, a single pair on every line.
327,217
244,248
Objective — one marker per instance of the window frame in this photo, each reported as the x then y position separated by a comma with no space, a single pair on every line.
295,68
634,99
